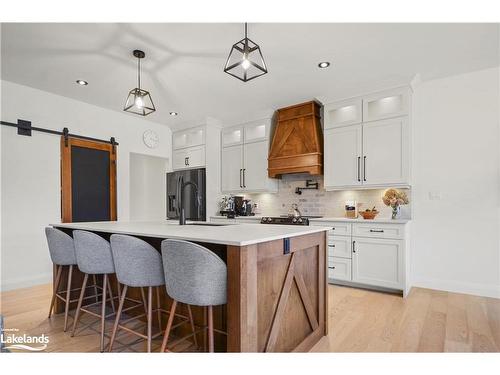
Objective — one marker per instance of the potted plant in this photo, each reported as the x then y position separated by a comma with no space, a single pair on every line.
395,199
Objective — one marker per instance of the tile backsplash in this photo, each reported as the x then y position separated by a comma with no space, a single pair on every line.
320,202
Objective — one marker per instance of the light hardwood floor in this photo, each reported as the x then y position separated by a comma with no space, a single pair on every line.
359,321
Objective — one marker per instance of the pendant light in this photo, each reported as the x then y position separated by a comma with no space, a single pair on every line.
245,61
139,101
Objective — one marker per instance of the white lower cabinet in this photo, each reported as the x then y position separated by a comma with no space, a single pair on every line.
378,262
368,254
339,268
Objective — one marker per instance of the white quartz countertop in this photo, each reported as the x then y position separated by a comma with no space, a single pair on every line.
381,220
235,235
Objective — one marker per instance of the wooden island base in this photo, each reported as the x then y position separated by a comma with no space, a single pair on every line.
276,302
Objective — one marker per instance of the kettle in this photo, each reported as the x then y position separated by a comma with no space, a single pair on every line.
294,211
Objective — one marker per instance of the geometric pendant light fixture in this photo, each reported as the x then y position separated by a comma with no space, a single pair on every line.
139,101
245,61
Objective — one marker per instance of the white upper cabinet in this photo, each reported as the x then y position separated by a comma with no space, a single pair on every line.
387,104
255,166
386,152
245,150
192,157
257,131
232,136
367,141
232,169
343,153
346,112
188,138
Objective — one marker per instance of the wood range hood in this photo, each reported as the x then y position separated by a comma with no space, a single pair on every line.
297,145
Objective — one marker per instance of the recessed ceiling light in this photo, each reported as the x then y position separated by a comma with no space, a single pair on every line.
324,64
173,113
81,82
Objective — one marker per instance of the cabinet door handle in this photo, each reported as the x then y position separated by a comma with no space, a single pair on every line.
241,184
359,173
376,230
185,161
333,228
244,176
353,246
364,168
331,245
332,268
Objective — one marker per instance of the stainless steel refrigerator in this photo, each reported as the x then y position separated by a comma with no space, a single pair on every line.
194,206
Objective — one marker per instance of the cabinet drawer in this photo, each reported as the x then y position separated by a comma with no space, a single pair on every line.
339,268
339,246
337,228
375,230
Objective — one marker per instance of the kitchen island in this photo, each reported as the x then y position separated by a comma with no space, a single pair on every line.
277,295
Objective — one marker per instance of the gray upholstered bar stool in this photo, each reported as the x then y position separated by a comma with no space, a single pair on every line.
62,253
93,255
138,265
194,275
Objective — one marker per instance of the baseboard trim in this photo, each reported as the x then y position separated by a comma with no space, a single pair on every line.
25,282
483,290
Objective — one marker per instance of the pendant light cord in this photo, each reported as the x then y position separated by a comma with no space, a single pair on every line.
139,72
245,30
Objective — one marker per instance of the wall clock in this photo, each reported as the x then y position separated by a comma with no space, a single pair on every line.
150,139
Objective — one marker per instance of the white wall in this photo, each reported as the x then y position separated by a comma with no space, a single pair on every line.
148,187
30,180
455,239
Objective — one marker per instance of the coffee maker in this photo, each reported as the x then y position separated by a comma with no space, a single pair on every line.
242,206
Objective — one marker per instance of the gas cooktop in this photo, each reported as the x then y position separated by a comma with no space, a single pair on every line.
285,220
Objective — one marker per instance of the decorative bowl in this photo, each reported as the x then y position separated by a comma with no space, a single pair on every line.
368,215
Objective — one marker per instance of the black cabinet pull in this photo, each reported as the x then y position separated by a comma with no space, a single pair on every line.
187,160
332,268
364,168
241,184
244,183
376,230
331,245
333,228
359,173
353,246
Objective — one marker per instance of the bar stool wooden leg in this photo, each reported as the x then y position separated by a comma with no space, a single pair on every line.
191,322
210,329
56,288
144,302
95,288
103,310
68,298
118,316
80,300
150,316
169,326
110,290
158,306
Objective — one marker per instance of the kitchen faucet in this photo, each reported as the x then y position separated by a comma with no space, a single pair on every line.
182,215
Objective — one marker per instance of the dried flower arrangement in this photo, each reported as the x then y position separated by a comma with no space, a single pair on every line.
395,198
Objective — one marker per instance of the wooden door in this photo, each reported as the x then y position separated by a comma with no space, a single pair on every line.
88,181
378,262
232,169
386,152
343,153
255,166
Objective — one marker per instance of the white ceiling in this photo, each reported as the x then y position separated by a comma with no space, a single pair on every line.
184,63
